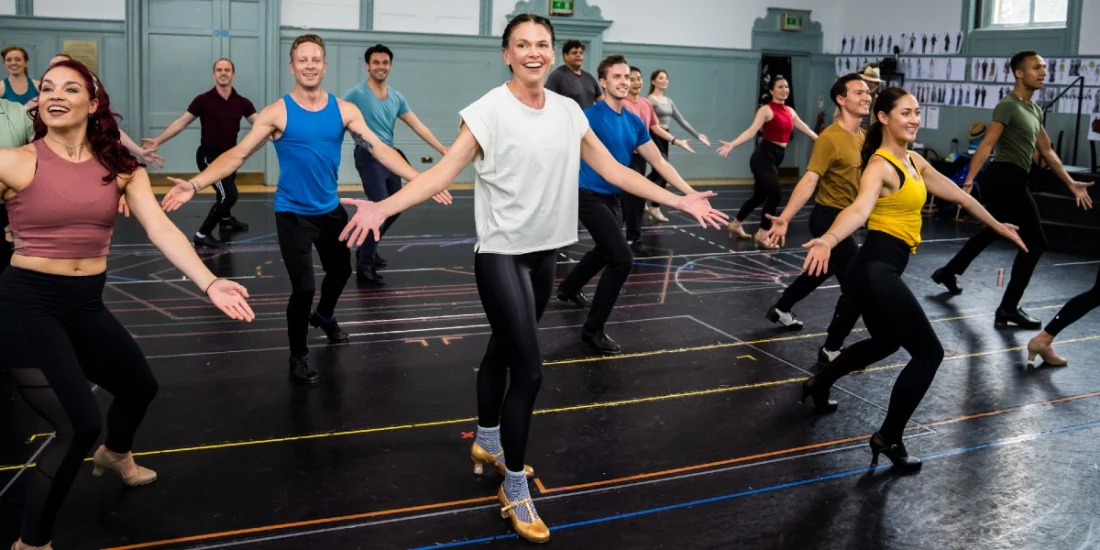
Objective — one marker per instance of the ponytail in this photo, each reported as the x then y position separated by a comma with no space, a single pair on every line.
871,143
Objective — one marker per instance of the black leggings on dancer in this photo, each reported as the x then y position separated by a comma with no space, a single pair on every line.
6,249
894,320
654,176
1076,308
633,206
847,310
225,189
764,164
58,339
514,291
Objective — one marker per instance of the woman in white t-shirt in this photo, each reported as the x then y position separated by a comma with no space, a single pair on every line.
526,144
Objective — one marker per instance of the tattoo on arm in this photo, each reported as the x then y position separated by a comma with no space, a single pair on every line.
362,142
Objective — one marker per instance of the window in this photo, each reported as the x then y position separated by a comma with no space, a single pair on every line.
1024,13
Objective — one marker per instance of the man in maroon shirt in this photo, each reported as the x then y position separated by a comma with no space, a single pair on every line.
219,111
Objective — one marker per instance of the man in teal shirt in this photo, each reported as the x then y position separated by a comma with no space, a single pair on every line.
381,107
16,130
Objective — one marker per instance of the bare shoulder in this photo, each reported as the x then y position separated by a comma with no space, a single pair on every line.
17,166
138,177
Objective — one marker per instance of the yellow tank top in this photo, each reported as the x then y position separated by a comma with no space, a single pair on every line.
899,214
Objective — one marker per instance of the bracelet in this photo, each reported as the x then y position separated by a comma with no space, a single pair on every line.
194,186
834,236
207,290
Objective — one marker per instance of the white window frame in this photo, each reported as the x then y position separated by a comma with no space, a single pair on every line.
988,8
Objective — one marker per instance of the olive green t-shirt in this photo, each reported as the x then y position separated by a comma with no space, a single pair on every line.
836,159
1022,120
16,129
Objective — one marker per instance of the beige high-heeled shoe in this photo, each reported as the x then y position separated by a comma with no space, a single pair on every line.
106,460
655,213
481,457
535,531
758,238
1045,353
736,229
20,545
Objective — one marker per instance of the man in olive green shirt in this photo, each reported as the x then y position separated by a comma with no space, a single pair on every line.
1016,131
16,130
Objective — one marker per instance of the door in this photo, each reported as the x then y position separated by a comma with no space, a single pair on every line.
182,39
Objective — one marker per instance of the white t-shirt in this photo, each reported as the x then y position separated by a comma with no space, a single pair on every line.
526,179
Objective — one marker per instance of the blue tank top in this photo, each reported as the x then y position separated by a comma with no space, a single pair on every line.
22,99
309,156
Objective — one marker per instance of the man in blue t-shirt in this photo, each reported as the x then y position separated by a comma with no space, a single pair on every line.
381,107
599,207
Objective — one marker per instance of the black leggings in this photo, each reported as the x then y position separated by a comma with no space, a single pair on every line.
764,164
58,337
1004,187
6,249
847,309
894,319
226,190
602,217
654,176
378,184
514,291
633,206
298,235
1076,308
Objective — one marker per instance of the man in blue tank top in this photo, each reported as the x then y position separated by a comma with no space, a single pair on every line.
307,126
381,106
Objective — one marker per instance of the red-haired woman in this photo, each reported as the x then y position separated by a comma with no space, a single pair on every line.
16,61
62,191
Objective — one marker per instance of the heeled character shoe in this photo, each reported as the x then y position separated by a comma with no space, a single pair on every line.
481,457
106,460
535,531
895,452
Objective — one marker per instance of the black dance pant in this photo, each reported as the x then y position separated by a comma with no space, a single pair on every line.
6,249
764,164
58,339
602,217
633,206
654,176
514,291
894,319
1004,187
1076,308
378,184
847,310
225,189
298,235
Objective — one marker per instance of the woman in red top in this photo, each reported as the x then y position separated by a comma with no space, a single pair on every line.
777,120
62,192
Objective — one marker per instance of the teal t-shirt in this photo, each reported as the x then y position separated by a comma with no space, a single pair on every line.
381,115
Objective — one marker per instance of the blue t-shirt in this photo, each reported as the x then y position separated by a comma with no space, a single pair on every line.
621,133
380,115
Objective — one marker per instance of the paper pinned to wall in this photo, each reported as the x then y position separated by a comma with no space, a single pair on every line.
931,118
84,51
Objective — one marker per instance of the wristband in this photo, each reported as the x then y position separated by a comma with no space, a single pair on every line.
834,236
207,290
194,185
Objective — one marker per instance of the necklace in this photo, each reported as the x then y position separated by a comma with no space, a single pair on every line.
72,152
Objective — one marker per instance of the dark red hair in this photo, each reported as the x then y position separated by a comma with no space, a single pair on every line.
102,131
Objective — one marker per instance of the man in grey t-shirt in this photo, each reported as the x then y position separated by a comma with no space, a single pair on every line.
570,81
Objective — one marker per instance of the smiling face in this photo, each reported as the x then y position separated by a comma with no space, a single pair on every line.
530,53
857,101
308,65
64,100
16,62
223,73
661,82
781,90
635,82
903,121
379,66
617,81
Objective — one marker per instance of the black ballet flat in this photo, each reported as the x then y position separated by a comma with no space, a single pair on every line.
897,454
820,396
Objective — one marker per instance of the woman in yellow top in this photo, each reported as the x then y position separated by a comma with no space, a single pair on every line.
892,192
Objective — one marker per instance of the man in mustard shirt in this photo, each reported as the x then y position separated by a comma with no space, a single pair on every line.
834,172
1016,131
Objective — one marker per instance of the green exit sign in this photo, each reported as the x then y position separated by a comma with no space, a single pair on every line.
561,7
790,22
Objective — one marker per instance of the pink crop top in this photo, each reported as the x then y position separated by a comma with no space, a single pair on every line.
778,129
67,211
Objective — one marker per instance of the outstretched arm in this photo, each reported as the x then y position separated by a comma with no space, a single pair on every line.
174,128
149,156
992,134
653,156
422,130
228,296
801,126
801,194
366,139
1079,189
851,218
369,216
763,115
940,186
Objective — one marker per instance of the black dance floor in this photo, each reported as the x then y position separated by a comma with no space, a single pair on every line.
692,438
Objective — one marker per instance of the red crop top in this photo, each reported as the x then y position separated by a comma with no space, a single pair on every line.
67,211
778,129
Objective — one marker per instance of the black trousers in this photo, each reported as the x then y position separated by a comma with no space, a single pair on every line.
378,184
58,339
226,190
634,206
6,249
1076,308
847,310
654,176
764,163
1004,187
894,319
602,217
298,235
514,291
